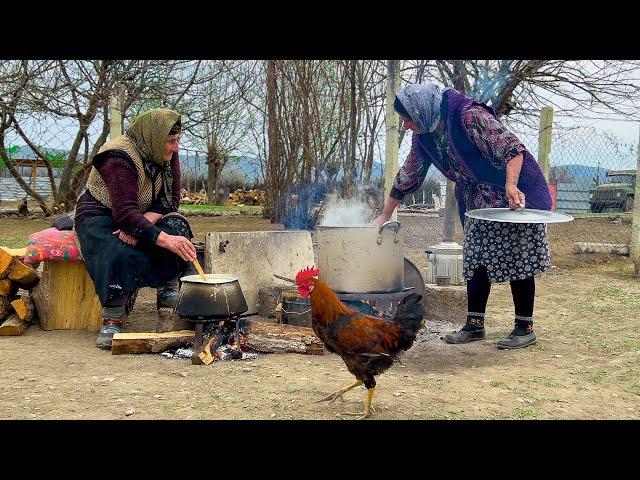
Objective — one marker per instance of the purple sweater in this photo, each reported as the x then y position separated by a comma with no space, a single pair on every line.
121,178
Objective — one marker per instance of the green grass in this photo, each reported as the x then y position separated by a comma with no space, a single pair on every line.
524,413
547,382
497,384
220,208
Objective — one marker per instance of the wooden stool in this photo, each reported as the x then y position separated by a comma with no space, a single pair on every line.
66,299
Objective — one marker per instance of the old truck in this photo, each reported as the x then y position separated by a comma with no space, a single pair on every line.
615,194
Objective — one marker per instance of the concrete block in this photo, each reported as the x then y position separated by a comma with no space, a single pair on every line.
255,256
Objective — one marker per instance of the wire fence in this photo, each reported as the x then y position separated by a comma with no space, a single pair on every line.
593,170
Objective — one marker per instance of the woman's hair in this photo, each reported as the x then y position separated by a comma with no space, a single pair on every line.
398,107
176,128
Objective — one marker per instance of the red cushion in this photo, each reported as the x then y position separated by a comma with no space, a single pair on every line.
53,244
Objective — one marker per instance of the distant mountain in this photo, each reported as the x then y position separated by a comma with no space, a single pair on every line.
574,173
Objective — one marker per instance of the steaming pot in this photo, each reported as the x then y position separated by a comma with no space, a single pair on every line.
361,258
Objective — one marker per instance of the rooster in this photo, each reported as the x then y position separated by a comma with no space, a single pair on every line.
368,345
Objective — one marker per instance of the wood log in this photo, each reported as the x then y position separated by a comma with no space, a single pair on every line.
279,338
24,275
13,326
204,356
5,307
66,299
149,342
170,322
8,288
6,263
24,308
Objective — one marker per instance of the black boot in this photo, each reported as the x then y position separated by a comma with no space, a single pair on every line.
112,319
167,294
472,331
521,336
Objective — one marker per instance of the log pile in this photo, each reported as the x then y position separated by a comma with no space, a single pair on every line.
17,309
243,197
194,198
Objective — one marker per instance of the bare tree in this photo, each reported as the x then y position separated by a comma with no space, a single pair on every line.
216,114
75,94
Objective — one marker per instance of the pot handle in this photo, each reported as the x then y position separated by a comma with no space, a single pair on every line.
391,223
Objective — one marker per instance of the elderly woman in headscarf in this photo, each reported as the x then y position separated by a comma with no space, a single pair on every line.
130,233
491,168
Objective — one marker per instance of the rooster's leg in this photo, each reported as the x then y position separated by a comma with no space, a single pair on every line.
338,394
368,407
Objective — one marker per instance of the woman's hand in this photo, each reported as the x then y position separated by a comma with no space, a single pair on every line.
383,217
128,239
178,244
515,196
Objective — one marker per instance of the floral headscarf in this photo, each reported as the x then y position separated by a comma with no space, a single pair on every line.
422,102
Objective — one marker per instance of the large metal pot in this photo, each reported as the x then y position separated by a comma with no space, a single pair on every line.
361,258
219,297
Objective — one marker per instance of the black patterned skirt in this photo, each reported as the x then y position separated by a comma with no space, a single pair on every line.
509,251
118,268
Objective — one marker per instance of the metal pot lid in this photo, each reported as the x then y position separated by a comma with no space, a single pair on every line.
214,278
520,215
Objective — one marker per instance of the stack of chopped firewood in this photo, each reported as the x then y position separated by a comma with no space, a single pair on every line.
17,310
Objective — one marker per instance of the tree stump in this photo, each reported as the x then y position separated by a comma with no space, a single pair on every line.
66,299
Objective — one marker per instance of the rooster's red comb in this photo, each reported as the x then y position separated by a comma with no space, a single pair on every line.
306,274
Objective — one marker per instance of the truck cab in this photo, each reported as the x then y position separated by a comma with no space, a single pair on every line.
616,193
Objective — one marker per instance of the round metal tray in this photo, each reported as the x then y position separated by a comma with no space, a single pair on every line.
521,215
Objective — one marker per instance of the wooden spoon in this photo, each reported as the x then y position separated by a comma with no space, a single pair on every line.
196,263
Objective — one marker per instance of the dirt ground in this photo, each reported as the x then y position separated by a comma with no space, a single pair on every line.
586,364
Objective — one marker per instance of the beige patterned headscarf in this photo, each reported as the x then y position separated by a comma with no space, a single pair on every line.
149,133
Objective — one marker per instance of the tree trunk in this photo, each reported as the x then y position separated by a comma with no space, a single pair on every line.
349,171
273,182
215,164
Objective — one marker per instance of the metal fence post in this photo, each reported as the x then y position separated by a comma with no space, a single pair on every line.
544,140
634,246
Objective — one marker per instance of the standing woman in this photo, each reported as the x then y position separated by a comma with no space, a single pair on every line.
491,168
130,233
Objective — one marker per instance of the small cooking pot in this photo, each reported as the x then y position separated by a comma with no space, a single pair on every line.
219,297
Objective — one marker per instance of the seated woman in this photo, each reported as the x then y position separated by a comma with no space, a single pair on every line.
130,233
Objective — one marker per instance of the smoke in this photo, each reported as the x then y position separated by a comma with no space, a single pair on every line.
339,212
299,206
